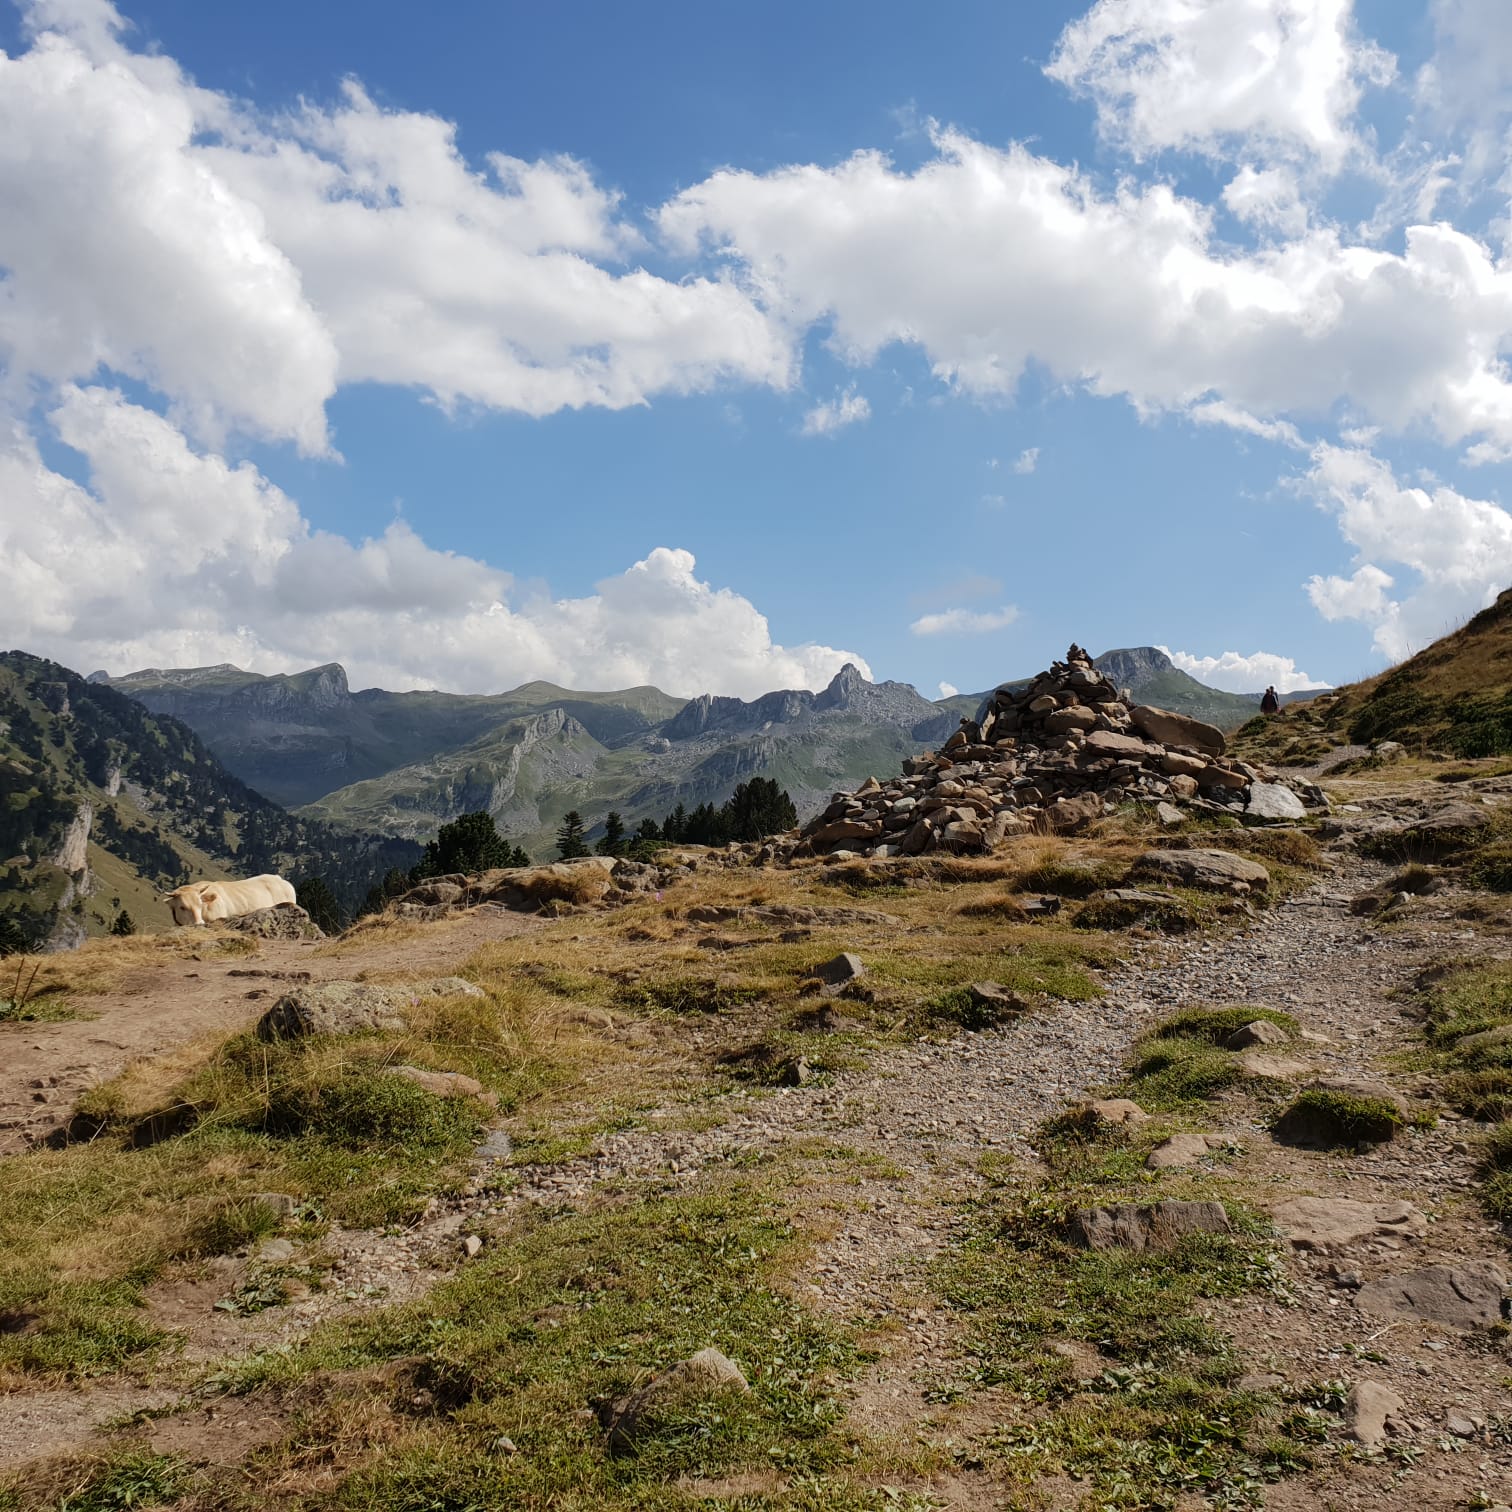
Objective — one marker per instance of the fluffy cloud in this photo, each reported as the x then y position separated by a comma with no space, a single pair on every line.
991,258
1458,548
243,266
119,249
1026,461
965,621
172,557
1203,75
948,690
1245,674
835,414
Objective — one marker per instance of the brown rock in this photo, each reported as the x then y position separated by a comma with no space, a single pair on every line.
1178,764
1159,1225
1180,1150
1220,870
1183,787
1315,1223
1177,729
1468,1295
1113,1111
1067,814
1371,1412
1260,1032
444,1083
1110,743
352,1007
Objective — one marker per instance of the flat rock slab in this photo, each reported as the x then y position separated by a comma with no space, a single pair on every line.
353,1007
1182,1150
1159,1225
1275,1067
1257,1032
1372,1411
1220,870
1270,800
1461,1296
1313,1223
1177,729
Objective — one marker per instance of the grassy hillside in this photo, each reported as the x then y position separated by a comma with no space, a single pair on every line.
103,804
1455,697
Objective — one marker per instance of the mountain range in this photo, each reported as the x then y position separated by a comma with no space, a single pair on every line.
404,763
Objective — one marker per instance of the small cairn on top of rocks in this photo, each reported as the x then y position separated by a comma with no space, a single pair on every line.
1048,757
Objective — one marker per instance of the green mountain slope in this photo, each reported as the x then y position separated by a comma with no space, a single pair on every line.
1454,696
102,804
298,737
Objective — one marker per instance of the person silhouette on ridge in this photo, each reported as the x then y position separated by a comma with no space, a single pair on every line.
1271,702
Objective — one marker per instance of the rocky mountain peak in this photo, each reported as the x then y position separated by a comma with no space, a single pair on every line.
845,687
1132,665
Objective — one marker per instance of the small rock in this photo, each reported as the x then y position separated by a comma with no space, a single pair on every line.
1461,1427
443,1083
844,967
1178,1150
1169,815
1270,800
1127,1225
280,1202
1371,1412
471,1245
1112,1111
273,1251
1275,1067
1260,1032
704,1374
996,1000
1213,869
503,1445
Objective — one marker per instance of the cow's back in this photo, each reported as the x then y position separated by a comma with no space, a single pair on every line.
229,900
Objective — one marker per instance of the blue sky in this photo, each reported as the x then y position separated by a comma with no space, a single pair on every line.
611,344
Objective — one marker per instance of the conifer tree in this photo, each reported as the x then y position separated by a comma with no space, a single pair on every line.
571,840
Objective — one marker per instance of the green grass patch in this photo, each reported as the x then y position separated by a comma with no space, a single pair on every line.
128,1478
1165,1419
687,995
1071,878
1212,1026
574,1310
1339,1119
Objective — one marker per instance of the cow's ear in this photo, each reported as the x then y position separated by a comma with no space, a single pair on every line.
208,895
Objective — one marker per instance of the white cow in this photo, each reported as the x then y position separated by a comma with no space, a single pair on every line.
203,902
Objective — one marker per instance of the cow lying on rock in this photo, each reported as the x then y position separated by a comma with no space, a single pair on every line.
205,902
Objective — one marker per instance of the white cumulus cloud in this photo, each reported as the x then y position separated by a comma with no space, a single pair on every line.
992,258
1245,674
1026,461
948,690
835,414
1205,75
964,621
1458,550
173,557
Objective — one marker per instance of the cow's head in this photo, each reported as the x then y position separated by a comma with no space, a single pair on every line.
184,904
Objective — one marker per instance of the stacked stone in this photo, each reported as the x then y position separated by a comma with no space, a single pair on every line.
1048,757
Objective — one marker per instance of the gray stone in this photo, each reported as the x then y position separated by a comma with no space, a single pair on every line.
995,999
1160,1225
1468,1295
496,1145
444,1083
1260,1032
1275,1067
1110,743
1270,800
1372,1411
705,1374
285,921
842,968
1317,1223
273,1251
1169,815
1177,729
1214,869
352,1007
472,1245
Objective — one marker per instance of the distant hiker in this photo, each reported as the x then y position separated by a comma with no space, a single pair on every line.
1271,702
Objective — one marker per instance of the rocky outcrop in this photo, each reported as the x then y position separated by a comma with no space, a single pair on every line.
1049,755
286,921
1160,1225
72,854
353,1007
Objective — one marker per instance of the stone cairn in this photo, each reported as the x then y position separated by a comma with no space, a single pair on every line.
1049,757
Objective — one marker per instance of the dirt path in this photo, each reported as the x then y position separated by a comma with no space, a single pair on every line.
173,1000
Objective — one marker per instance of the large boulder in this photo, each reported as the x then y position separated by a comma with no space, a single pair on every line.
1221,871
353,1007
1177,730
285,921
